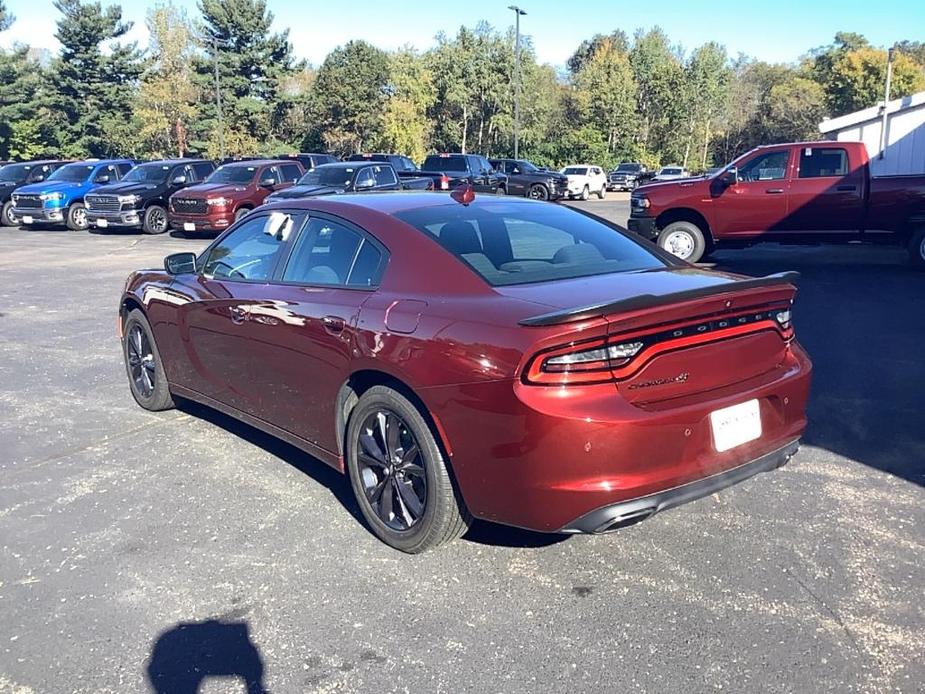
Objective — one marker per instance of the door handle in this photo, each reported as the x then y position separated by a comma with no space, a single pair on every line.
238,314
334,324
774,191
846,189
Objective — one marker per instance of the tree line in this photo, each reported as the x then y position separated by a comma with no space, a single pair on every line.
619,98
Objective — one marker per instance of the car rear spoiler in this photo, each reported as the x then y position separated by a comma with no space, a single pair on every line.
643,301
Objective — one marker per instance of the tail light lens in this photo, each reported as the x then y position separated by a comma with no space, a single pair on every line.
590,362
444,182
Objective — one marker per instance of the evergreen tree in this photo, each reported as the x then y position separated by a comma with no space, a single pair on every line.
253,67
94,89
6,19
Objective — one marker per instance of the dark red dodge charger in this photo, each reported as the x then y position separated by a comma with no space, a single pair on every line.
495,358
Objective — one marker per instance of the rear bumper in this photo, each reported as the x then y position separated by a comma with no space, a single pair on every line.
644,226
545,459
623,513
125,218
213,222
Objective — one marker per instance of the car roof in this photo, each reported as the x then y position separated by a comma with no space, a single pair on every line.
172,162
394,202
352,164
258,162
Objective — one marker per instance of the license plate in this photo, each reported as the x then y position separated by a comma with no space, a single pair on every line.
189,226
27,219
102,223
733,426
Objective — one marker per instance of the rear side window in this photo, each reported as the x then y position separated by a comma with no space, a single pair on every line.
385,176
329,253
203,169
509,243
818,162
291,173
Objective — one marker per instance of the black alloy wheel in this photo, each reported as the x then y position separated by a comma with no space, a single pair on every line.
141,364
391,470
155,220
539,192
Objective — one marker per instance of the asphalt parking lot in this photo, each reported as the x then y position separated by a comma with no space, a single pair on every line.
144,552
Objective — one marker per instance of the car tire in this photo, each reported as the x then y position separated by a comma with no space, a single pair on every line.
155,220
500,191
6,215
538,192
917,249
143,364
241,213
602,192
411,504
684,240
585,193
77,217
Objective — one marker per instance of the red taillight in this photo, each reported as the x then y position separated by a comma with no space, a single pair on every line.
586,362
444,182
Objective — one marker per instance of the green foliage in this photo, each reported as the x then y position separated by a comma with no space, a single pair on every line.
853,73
254,66
349,96
93,89
6,19
166,104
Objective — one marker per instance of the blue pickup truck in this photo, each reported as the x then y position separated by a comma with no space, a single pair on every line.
59,199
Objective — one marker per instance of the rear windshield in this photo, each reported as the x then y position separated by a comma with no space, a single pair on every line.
232,174
672,171
327,175
15,172
438,163
509,243
147,173
73,172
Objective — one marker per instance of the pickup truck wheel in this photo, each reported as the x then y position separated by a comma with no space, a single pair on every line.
500,191
585,193
538,192
241,213
917,249
77,217
602,192
683,239
155,221
6,216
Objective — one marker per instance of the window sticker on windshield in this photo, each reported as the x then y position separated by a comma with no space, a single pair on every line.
808,151
279,225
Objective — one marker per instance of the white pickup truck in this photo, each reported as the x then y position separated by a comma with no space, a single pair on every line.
584,179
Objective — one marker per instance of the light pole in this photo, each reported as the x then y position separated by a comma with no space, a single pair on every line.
218,102
517,13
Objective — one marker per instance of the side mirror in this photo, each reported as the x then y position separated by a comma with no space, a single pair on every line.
102,179
267,182
180,263
365,183
731,176
179,180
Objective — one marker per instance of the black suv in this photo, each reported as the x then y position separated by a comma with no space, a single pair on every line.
14,175
527,179
627,176
139,199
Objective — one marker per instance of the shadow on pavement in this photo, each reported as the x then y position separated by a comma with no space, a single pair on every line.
188,654
482,532
859,313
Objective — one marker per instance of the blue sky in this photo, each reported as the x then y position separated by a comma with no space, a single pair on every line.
780,31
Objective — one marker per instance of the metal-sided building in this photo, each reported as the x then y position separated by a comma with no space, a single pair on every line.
904,152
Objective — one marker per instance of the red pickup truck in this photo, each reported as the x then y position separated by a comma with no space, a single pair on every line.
805,192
